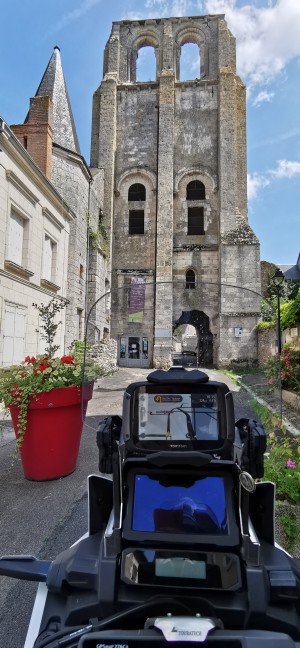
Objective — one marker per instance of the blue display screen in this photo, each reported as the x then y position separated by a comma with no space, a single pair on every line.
198,507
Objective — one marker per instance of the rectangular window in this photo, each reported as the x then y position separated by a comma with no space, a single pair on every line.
195,220
79,323
49,259
13,334
136,221
16,238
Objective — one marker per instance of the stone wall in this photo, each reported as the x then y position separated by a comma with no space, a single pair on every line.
105,354
74,183
266,345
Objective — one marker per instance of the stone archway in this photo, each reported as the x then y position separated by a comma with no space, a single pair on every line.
200,321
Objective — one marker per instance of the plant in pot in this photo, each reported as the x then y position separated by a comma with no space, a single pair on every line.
48,401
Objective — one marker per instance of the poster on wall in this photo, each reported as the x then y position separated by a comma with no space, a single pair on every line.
136,299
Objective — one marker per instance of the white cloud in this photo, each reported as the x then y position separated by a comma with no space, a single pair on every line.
255,183
80,11
286,169
263,97
267,37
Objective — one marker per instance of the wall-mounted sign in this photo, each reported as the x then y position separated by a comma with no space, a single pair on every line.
238,331
163,332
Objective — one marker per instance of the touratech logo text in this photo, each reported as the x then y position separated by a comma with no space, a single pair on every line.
189,633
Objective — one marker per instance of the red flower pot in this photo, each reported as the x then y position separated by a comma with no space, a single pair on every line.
52,438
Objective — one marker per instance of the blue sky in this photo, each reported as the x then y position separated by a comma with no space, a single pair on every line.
268,61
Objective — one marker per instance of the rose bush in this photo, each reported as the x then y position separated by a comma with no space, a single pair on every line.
289,365
20,383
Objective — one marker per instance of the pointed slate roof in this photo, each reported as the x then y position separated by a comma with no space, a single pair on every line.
53,85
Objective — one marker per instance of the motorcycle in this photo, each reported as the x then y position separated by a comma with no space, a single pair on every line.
180,544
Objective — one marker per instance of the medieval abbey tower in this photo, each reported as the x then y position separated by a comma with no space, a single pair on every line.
175,198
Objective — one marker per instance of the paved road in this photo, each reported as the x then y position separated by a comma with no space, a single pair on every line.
44,518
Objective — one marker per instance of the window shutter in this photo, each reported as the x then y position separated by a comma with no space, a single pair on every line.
14,334
47,259
15,239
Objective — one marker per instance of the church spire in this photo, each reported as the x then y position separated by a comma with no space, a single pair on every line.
53,85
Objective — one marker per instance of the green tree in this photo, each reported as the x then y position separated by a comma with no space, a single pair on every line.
49,326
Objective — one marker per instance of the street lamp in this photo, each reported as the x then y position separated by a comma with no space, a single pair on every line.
277,281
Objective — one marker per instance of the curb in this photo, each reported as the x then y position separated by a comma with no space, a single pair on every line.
289,426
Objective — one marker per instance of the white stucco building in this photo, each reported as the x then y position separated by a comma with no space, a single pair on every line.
34,242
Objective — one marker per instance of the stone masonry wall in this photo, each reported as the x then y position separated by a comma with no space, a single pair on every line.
73,181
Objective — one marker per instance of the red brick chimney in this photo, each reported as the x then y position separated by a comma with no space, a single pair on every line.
36,133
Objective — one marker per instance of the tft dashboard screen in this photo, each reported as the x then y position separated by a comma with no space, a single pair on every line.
195,507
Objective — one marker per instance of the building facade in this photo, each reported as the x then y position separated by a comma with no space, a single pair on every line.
49,137
173,154
35,226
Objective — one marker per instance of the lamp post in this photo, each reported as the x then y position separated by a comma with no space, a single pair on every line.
277,281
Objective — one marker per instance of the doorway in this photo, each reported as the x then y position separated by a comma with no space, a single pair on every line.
200,321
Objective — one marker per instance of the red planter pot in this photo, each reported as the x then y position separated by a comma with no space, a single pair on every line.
52,438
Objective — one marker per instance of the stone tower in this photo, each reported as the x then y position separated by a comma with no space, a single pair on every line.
175,198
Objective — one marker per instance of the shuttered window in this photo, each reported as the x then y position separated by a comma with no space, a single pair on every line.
15,239
47,259
136,221
13,334
195,220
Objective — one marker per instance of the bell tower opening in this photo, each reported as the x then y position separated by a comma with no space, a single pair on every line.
189,62
146,64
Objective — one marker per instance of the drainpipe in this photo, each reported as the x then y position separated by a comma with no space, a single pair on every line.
155,235
87,254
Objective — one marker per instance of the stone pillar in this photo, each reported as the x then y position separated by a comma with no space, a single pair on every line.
241,143
239,247
107,147
164,245
227,150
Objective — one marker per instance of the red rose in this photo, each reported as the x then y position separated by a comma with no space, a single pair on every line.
42,366
30,360
67,360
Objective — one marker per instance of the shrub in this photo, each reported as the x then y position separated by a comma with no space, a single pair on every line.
282,466
289,366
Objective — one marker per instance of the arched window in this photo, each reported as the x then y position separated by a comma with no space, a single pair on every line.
195,190
189,62
137,192
146,64
190,279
